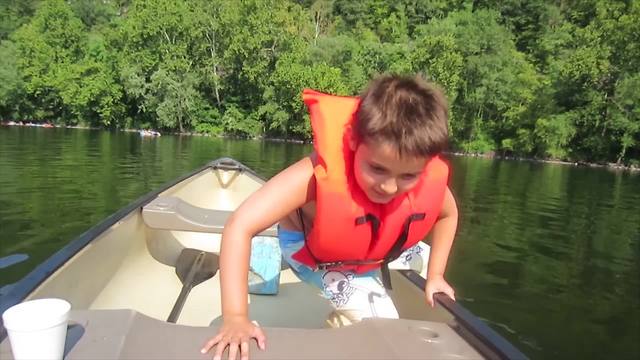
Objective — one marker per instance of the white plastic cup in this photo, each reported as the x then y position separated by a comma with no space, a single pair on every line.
37,329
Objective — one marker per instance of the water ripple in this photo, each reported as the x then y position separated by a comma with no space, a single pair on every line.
549,251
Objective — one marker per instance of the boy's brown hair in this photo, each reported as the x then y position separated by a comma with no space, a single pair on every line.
404,111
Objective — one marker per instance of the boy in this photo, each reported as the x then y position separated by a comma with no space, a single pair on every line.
373,188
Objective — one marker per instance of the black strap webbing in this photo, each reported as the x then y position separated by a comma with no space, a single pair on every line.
394,253
304,234
396,249
375,224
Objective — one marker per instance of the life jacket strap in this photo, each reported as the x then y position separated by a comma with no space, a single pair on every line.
396,249
375,224
394,253
339,264
385,275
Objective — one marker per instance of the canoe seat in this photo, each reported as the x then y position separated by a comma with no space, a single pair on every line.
172,213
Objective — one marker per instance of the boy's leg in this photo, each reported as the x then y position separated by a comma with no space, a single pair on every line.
415,258
353,296
356,296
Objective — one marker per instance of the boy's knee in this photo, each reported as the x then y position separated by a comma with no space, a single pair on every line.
338,318
379,307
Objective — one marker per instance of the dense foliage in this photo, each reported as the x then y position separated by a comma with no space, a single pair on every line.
553,79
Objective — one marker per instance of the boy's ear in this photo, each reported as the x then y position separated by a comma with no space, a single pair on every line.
353,142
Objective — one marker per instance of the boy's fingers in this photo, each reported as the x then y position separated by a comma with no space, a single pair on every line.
207,346
451,294
233,351
244,350
261,339
429,295
219,350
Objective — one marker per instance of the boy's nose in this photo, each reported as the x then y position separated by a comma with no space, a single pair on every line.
390,187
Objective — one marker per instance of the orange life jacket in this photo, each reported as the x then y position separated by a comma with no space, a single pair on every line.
349,231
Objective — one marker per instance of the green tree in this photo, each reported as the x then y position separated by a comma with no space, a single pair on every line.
492,103
48,46
158,32
68,75
94,12
437,57
541,78
344,53
93,92
173,97
11,86
321,11
524,19
590,59
625,116
284,107
14,13
158,60
554,134
257,33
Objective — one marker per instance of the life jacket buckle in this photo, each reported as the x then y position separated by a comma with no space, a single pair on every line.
329,265
339,264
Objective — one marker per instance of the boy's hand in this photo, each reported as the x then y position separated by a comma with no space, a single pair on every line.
437,284
235,333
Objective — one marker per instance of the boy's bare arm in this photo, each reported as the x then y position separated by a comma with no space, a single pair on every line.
444,232
281,195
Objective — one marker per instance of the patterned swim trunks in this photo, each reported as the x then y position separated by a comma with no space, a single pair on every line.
358,295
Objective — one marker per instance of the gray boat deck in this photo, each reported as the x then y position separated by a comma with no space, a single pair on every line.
126,334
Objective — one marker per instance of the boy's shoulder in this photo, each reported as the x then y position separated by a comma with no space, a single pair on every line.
296,176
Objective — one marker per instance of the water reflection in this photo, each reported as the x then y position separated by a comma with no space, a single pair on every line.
553,249
549,255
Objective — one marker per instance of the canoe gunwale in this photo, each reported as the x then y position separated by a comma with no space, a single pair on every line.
484,339
20,290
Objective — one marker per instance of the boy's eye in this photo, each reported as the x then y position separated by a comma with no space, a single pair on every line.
408,176
378,169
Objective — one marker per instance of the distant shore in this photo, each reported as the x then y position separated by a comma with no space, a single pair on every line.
492,155
612,166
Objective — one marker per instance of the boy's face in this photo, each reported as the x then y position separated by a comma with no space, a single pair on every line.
382,173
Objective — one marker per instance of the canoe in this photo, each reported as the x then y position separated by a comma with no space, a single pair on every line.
120,277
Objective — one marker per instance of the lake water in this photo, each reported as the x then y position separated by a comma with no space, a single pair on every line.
548,255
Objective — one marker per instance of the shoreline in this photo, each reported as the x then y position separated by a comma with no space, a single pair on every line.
611,166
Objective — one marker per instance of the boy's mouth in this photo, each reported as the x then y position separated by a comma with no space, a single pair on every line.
379,197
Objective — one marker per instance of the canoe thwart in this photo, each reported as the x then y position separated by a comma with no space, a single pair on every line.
172,213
